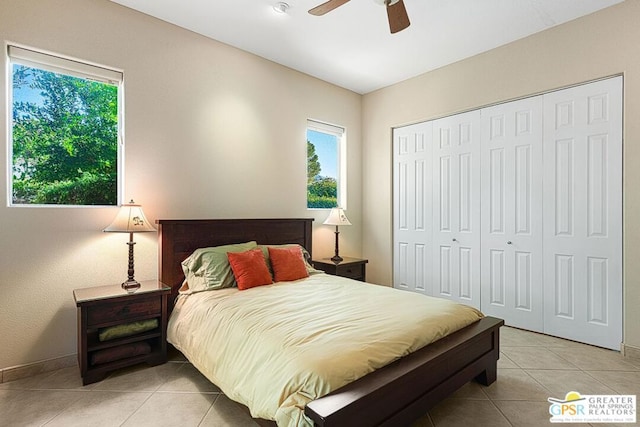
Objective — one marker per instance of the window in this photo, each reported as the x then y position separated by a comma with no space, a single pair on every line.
66,121
325,144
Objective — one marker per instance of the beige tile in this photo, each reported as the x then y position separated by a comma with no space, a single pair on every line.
477,413
189,379
62,379
34,407
505,363
632,360
514,337
7,396
517,337
551,341
139,378
172,409
177,394
527,414
515,384
594,358
100,409
20,372
560,382
226,413
536,358
621,382
27,383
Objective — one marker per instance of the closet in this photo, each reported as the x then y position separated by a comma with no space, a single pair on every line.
516,209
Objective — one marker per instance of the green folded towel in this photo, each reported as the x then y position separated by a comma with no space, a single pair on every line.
127,329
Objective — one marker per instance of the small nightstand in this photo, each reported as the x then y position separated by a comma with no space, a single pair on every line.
353,268
103,307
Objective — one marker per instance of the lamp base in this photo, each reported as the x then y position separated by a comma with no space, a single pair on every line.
337,258
130,285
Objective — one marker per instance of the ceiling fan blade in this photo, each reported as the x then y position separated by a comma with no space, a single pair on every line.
397,14
327,7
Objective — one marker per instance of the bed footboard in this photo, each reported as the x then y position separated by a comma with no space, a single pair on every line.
406,389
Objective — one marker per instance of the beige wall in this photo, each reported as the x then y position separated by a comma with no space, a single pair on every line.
211,132
595,46
214,132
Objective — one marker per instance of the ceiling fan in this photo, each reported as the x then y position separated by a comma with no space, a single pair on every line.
396,12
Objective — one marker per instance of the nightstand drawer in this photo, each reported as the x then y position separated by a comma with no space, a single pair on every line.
123,310
351,271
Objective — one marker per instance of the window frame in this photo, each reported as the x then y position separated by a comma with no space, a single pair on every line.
340,132
61,64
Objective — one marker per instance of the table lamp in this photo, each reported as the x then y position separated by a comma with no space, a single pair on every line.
130,219
337,217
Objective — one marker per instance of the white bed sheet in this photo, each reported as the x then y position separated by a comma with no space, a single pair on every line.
275,348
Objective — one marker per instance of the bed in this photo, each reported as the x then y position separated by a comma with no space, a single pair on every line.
393,395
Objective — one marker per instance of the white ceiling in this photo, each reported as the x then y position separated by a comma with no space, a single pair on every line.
352,47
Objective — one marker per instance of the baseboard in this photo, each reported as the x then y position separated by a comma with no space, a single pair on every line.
31,369
631,352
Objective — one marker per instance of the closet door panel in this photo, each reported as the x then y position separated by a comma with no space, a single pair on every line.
456,207
517,209
583,213
511,177
412,208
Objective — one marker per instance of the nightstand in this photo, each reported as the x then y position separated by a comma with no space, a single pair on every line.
118,329
353,268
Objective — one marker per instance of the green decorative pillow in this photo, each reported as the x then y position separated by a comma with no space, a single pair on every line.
208,268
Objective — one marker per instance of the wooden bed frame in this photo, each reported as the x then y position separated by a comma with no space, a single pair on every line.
395,395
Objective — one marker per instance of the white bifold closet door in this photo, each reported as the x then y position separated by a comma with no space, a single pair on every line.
511,235
583,213
412,208
517,209
456,208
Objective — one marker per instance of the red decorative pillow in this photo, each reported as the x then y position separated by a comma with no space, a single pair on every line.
249,268
287,264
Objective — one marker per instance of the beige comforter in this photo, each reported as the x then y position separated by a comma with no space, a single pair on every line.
275,348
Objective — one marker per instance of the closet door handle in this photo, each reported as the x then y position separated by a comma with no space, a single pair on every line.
454,239
508,242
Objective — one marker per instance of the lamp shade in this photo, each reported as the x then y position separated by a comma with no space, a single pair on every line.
130,219
337,217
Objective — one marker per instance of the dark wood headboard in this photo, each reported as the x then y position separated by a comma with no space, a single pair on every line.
178,238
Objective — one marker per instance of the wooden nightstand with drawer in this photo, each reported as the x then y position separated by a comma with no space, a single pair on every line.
353,268
118,329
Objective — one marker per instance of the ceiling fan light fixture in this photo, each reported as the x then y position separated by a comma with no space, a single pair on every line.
281,7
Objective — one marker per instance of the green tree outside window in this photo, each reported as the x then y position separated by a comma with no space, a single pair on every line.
322,169
64,139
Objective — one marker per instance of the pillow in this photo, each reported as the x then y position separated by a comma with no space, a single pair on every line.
305,255
249,268
288,264
208,268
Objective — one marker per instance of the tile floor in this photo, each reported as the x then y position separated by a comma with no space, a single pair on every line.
532,368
